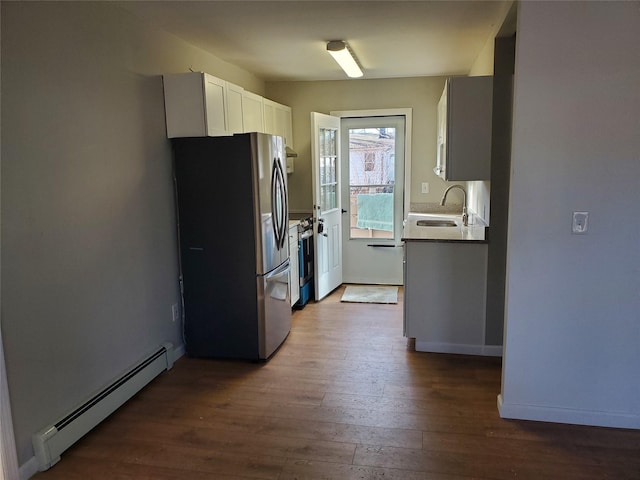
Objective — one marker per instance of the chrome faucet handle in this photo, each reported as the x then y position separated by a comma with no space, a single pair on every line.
465,216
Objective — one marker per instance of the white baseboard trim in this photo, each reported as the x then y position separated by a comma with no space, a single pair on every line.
178,352
438,347
28,469
567,415
492,350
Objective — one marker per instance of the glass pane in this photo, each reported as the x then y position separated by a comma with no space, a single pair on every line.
322,143
328,174
332,142
328,198
372,182
331,170
332,202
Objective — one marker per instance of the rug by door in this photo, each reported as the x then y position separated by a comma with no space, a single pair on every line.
370,294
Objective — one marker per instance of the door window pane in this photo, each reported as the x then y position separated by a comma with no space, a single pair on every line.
328,175
372,181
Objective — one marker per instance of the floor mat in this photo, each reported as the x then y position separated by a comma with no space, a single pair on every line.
370,294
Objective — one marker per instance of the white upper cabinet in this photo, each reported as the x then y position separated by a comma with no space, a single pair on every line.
464,129
200,105
269,109
194,105
277,120
252,112
215,106
235,118
284,124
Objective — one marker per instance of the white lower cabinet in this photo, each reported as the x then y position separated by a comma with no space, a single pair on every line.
445,296
294,274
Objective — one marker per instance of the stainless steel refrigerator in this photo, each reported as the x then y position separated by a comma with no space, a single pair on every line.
234,246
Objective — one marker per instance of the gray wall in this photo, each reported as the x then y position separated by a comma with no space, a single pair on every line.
572,323
500,168
89,260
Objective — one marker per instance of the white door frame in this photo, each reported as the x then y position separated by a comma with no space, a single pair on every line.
8,454
8,458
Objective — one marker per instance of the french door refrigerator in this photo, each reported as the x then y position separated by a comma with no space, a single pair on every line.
234,246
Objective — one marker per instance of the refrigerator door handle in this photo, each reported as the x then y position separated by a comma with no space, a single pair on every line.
284,203
275,214
279,203
278,272
278,283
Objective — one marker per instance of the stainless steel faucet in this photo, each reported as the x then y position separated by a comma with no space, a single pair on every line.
465,217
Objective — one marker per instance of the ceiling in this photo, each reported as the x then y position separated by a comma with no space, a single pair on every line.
286,40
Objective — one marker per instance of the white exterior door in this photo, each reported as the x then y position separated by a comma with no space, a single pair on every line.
327,210
373,161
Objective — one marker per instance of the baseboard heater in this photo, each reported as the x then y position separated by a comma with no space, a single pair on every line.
50,442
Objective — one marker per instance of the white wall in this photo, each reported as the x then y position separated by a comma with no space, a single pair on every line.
89,255
572,324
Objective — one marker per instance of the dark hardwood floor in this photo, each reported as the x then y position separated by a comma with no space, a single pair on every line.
342,399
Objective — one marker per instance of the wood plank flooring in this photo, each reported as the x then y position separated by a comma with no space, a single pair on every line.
342,399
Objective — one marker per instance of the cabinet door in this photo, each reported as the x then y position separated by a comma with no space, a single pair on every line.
441,153
234,108
277,120
468,141
252,112
184,105
288,127
195,105
436,276
283,124
214,89
465,116
269,109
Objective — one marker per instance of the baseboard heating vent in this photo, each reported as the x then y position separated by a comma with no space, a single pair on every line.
50,442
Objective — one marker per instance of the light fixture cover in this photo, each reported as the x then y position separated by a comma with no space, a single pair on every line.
342,54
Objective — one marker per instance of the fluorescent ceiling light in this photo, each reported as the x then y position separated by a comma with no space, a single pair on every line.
342,54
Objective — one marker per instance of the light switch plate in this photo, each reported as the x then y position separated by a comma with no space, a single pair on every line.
580,223
425,187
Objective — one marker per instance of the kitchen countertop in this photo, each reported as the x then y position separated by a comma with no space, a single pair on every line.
475,233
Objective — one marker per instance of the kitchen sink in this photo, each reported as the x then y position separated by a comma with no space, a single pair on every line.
436,223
